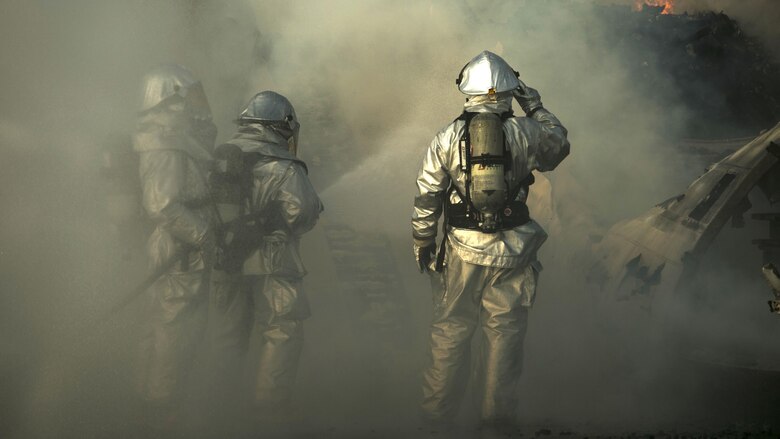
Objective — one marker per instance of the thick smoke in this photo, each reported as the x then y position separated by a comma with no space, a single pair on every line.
758,17
372,81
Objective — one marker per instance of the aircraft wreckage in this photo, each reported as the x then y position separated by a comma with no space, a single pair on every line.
658,252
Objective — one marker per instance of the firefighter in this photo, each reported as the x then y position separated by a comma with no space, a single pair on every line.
174,138
281,205
477,172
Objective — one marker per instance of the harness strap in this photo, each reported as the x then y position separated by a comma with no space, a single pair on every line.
465,159
443,246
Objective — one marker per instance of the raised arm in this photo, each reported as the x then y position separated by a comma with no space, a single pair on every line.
549,143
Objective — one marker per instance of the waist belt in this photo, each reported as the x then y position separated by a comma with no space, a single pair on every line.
514,214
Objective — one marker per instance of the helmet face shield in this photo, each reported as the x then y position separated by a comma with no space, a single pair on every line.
268,106
487,74
292,142
276,112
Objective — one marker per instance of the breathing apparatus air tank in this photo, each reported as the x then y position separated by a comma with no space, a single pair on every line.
225,182
488,185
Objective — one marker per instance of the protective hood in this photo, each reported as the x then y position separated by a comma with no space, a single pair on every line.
275,111
487,73
265,140
496,103
164,82
163,129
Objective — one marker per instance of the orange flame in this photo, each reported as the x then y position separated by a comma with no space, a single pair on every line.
667,4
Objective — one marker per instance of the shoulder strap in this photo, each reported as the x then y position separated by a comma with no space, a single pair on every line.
465,160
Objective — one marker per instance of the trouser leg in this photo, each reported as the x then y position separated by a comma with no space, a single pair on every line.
177,320
229,312
456,313
280,307
504,323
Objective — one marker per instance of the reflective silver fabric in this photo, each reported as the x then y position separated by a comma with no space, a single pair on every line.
489,280
277,113
280,179
467,296
268,106
487,73
272,276
537,144
497,103
229,311
528,98
280,306
163,82
277,306
174,161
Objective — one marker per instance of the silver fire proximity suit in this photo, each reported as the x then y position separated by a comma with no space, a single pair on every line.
287,206
488,279
174,138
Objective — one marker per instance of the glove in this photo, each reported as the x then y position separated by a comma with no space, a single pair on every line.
239,233
424,255
206,243
528,98
236,244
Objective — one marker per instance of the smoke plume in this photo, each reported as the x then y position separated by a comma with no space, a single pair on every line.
372,82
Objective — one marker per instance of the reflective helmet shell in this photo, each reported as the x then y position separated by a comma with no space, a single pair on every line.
487,73
273,109
268,106
165,81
